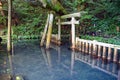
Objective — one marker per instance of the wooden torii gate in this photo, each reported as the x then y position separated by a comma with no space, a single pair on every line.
48,28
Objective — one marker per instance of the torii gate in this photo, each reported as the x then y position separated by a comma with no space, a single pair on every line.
48,27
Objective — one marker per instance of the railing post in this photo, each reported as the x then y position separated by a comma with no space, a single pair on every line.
115,55
99,50
73,32
109,53
77,43
80,46
86,47
94,48
59,32
83,47
90,46
104,52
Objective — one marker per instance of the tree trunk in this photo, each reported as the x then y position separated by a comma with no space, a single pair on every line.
9,25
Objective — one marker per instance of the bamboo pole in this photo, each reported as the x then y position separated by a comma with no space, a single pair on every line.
115,55
104,52
9,26
49,31
45,31
99,50
109,53
59,32
73,32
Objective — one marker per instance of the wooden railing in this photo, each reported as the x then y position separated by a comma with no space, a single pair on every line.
104,50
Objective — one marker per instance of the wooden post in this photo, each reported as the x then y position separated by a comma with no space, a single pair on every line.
49,31
99,50
94,48
45,31
80,46
109,53
59,32
90,46
83,47
115,55
104,52
86,47
9,26
73,32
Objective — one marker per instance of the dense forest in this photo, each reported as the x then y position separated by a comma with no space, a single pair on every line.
101,22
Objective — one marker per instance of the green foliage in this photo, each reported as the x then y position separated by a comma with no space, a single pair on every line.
2,19
101,39
32,20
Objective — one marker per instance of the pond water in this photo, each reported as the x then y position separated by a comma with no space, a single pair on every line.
58,63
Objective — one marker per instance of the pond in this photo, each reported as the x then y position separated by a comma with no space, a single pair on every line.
33,62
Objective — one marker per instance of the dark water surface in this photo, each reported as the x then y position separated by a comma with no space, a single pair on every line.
59,63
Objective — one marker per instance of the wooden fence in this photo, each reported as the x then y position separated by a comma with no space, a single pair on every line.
104,50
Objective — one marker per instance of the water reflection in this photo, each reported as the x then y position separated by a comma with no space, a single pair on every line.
6,66
109,68
58,63
97,63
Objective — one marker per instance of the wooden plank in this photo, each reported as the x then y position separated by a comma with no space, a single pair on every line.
78,14
68,23
45,31
49,31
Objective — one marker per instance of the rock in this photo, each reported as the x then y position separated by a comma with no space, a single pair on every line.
5,77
